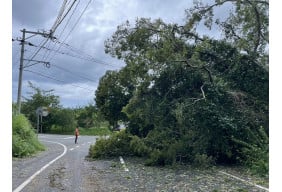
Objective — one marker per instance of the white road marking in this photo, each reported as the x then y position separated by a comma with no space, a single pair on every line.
123,164
77,146
71,149
19,188
258,186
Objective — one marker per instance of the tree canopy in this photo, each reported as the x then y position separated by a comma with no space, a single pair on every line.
187,95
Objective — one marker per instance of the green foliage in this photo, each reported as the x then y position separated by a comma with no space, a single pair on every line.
99,131
246,26
88,116
64,119
25,141
255,154
191,99
111,96
138,147
114,146
40,98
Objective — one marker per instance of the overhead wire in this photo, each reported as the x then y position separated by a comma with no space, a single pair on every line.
82,76
67,36
78,20
55,79
64,69
36,52
76,53
58,23
64,15
55,25
61,33
83,54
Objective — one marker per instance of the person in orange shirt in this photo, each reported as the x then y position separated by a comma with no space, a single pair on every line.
76,133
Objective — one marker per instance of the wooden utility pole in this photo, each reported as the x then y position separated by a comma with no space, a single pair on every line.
21,73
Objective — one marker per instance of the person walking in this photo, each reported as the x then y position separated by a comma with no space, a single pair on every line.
76,133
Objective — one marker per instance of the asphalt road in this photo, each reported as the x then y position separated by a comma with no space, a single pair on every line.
59,168
62,167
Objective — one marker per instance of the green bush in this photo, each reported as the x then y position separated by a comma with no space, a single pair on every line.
138,147
116,145
24,140
255,155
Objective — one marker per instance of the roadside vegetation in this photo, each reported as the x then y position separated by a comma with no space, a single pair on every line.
189,98
25,142
61,120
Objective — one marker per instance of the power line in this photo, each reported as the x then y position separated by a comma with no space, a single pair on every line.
40,47
64,16
66,70
78,53
75,74
61,33
47,36
53,78
78,19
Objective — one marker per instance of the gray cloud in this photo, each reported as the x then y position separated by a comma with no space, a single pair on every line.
98,23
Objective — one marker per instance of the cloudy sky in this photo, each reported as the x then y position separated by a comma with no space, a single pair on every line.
76,58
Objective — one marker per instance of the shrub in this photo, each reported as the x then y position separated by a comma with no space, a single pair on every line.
24,140
116,145
255,155
138,147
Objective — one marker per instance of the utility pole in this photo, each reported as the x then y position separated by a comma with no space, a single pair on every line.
21,73
44,34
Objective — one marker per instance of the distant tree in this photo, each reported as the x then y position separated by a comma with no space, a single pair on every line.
64,119
86,116
40,98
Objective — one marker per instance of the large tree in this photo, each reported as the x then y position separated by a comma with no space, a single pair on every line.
194,95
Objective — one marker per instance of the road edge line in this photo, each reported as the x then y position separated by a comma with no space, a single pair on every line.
123,163
21,186
258,186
